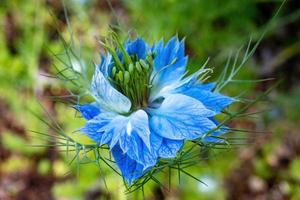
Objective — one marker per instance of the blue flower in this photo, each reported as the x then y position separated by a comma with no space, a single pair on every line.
146,107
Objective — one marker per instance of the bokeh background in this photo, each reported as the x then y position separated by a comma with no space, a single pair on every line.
267,166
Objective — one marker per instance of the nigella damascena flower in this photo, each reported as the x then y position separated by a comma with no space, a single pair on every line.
146,107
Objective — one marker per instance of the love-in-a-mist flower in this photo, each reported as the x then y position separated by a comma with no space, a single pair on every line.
146,106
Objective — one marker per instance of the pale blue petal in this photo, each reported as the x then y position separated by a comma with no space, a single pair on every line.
107,96
164,147
206,86
172,73
106,64
149,158
156,140
91,130
176,84
139,124
202,92
216,136
169,148
112,130
140,153
136,123
130,143
169,64
106,138
200,86
88,111
181,117
133,135
211,100
191,81
93,127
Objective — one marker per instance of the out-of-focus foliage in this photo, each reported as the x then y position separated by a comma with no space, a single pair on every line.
268,166
209,26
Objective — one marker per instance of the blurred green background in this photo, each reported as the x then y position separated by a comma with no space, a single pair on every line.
267,167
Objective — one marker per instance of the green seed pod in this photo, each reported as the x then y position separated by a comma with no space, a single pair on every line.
138,67
126,56
113,54
126,77
143,64
120,76
114,70
149,60
130,68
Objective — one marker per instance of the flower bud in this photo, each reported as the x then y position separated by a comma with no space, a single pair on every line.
150,60
126,77
120,76
138,67
143,64
130,68
114,70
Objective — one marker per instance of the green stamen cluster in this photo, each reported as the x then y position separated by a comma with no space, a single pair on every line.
132,77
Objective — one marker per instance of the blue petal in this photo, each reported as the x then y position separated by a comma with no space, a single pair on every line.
130,169
200,86
169,67
202,92
172,73
133,135
169,148
130,143
155,140
166,54
137,47
139,125
88,111
157,48
107,96
164,147
91,130
136,123
206,86
106,64
181,49
181,117
211,100
93,127
146,157
215,136
192,81
169,53
169,62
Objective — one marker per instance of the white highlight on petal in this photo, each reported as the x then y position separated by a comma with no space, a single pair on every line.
129,128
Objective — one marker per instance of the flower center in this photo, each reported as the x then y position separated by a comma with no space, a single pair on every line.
132,80
132,76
